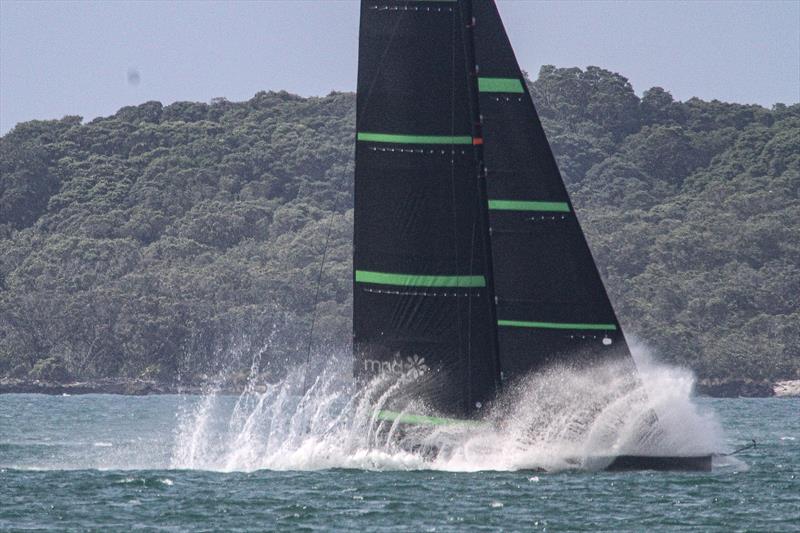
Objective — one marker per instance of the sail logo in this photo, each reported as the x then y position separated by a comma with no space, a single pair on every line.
410,367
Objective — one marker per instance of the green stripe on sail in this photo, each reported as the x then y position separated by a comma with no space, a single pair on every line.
500,85
416,280
555,325
422,420
519,205
413,139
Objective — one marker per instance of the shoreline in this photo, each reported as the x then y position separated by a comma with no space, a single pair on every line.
734,388
126,387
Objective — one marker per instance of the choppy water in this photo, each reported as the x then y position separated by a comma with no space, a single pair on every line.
265,461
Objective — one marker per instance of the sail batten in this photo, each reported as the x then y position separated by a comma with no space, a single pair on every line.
417,280
413,139
556,325
500,85
528,205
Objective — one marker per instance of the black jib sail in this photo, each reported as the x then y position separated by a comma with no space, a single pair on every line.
551,302
469,263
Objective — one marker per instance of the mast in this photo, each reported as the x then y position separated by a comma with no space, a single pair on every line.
468,22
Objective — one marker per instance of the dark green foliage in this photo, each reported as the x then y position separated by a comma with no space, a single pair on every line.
50,369
141,244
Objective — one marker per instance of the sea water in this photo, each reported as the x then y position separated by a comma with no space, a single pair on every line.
281,459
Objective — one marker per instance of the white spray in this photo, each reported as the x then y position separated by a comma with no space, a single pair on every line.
559,419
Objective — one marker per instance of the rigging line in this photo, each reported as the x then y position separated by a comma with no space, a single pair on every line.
464,36
468,29
455,27
316,292
743,448
471,266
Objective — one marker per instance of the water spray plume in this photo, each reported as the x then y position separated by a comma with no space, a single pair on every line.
559,419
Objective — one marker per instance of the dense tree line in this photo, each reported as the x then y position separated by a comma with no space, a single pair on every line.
145,244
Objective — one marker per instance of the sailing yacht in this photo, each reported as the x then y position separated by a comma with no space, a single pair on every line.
470,267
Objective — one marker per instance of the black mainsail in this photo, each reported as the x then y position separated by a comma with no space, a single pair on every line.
470,266
423,293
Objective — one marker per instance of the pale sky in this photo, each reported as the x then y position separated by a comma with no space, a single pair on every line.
74,58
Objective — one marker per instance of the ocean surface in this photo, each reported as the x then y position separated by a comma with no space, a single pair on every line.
216,463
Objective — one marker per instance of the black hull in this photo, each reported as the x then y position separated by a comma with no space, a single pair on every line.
629,463
622,463
619,463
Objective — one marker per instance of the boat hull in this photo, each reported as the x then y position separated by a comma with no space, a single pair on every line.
692,463
411,431
620,463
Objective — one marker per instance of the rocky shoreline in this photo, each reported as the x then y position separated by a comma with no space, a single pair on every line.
137,387
127,387
738,388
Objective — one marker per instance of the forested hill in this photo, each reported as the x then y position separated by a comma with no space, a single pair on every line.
148,243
